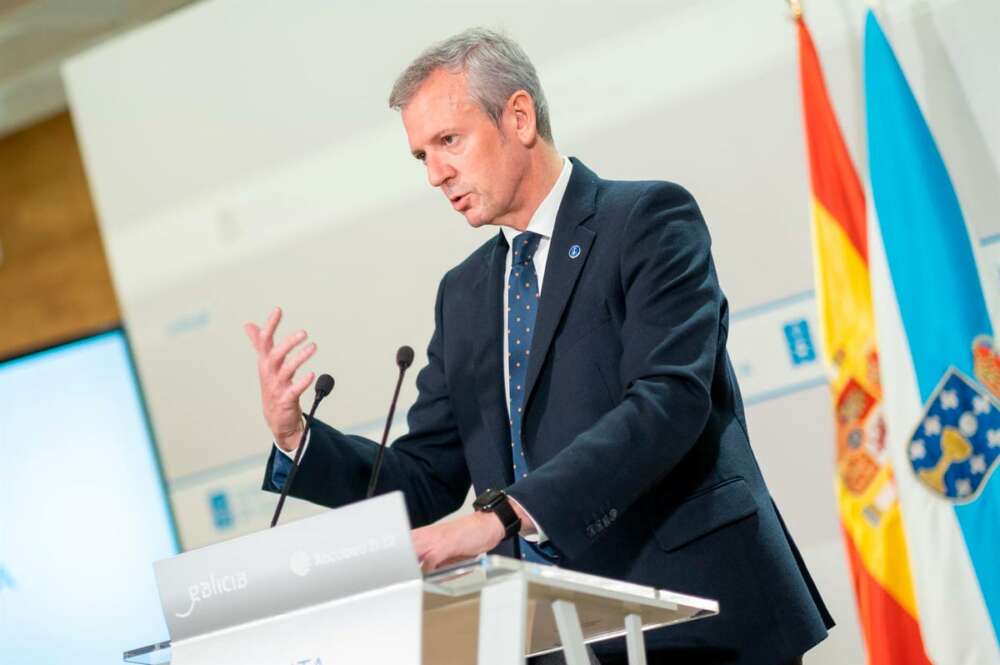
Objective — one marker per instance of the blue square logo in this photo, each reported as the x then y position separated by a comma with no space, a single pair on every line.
222,515
800,345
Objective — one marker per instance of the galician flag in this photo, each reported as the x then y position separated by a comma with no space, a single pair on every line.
936,317
864,485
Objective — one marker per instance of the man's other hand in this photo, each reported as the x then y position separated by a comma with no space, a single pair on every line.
279,392
466,537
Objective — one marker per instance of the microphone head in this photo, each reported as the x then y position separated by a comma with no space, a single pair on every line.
324,384
404,357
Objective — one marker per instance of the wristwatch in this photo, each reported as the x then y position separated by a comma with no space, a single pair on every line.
495,501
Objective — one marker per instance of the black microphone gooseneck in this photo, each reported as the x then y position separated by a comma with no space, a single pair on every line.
324,385
404,358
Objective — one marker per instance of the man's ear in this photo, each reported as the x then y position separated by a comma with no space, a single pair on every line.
521,108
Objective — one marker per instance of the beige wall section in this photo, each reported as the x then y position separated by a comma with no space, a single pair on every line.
54,277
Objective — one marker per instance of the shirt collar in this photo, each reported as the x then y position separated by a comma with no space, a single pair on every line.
543,222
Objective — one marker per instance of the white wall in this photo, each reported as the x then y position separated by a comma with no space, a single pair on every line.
241,155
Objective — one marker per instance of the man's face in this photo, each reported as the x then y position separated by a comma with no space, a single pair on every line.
476,164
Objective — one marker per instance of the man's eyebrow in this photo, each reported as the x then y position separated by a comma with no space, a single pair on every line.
434,139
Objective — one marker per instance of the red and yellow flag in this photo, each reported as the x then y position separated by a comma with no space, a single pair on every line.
865,490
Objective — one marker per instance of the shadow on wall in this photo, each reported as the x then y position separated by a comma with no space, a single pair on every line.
949,112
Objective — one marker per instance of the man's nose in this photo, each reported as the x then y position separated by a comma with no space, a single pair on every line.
438,171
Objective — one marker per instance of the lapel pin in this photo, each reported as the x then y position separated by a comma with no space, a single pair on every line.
574,251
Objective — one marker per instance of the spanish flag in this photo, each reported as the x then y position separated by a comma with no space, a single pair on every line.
864,484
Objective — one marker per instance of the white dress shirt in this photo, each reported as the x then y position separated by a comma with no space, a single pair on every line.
543,222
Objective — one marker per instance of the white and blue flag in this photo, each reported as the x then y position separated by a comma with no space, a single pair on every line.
936,316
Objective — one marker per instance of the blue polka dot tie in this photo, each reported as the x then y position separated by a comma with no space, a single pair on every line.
522,306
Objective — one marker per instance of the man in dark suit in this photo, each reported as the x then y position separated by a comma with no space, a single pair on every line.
578,364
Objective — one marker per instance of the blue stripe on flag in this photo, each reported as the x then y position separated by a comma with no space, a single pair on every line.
932,265
929,251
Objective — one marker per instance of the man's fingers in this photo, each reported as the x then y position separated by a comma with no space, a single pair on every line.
253,332
422,548
420,542
452,560
267,335
278,353
296,390
434,560
289,368
435,546
429,562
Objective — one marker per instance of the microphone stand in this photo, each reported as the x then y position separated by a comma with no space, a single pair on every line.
320,394
404,358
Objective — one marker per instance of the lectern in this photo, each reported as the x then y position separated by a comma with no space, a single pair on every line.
345,586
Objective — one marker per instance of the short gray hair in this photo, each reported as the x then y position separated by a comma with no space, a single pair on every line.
496,68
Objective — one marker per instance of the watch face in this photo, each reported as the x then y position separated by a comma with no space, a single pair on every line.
488,499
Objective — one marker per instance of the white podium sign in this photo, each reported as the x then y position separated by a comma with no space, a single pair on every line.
308,589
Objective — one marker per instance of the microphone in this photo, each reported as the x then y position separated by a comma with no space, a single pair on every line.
404,358
324,385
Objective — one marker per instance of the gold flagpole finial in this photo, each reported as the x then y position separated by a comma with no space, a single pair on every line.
796,8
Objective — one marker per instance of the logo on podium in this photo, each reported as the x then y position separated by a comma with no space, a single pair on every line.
300,563
213,586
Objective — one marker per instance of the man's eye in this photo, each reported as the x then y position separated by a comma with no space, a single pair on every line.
449,139
421,156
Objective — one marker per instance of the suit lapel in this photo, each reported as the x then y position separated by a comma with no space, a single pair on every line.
489,356
568,252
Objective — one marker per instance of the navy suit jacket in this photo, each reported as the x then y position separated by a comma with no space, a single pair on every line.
633,427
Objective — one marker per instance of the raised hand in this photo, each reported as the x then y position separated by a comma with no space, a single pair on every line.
279,392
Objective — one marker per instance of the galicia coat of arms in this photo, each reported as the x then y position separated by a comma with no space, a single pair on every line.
956,445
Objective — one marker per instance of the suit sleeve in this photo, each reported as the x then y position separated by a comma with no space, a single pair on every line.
670,337
427,464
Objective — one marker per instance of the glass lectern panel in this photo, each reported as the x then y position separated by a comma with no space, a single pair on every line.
451,606
154,654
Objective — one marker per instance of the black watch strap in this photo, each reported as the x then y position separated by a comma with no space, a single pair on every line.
496,502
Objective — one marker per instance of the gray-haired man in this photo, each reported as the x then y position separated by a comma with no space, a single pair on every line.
577,378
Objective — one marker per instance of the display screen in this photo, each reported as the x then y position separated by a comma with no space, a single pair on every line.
83,509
